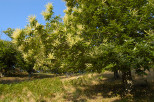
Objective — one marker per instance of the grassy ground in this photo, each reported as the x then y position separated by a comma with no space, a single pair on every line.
90,87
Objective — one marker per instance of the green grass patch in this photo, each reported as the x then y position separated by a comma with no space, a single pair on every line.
78,88
33,90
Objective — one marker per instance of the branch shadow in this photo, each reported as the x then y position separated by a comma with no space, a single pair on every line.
110,88
18,78
25,77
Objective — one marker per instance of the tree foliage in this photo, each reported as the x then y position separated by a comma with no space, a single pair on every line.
119,33
95,35
114,29
9,32
8,58
39,43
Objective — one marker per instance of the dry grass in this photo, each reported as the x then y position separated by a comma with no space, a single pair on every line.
92,87
106,89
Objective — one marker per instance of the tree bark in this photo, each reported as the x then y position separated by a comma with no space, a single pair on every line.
116,75
127,81
1,75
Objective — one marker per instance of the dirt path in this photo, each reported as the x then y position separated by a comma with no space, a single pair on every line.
9,80
106,75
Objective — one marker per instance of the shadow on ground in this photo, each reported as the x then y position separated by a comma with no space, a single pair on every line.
106,89
112,90
24,77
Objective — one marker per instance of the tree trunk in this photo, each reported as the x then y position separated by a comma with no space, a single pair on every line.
127,81
1,75
30,74
116,75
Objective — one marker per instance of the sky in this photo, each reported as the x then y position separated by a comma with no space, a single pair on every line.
14,13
